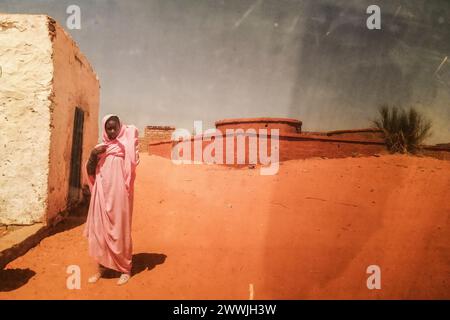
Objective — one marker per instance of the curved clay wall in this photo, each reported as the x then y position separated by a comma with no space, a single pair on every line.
285,125
368,134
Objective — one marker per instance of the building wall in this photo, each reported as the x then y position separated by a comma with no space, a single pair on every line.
302,149
160,149
154,134
290,147
44,77
307,146
284,125
143,144
74,85
292,143
440,153
25,89
374,135
158,133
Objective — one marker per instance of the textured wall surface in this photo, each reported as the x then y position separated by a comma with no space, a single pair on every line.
158,133
284,125
25,88
75,85
143,144
291,146
44,77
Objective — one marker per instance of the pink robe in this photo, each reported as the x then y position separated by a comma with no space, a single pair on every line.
108,225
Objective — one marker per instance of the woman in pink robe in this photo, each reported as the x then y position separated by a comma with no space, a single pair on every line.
111,170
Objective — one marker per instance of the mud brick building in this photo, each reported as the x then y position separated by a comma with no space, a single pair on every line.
49,100
155,134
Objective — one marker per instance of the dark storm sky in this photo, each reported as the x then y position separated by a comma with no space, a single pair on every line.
170,62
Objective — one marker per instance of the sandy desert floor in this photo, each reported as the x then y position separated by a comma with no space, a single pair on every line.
311,231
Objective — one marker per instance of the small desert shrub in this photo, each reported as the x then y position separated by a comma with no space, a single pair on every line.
404,130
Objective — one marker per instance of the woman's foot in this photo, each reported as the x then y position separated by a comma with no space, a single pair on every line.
124,277
95,277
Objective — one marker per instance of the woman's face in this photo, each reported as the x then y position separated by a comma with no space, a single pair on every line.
112,128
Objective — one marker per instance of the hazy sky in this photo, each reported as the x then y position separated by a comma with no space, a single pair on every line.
170,62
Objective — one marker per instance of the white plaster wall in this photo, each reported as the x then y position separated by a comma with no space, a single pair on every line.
25,89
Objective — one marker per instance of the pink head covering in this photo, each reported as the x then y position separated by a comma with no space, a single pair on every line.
124,145
105,137
117,146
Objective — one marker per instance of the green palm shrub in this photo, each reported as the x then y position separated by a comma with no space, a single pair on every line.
404,130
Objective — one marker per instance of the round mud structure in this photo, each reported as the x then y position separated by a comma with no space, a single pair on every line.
285,125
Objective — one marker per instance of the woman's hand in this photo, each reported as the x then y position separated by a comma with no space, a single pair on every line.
93,159
98,150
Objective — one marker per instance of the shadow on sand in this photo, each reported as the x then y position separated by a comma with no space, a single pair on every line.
12,279
140,262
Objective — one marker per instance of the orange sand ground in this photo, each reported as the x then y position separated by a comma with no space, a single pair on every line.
208,232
